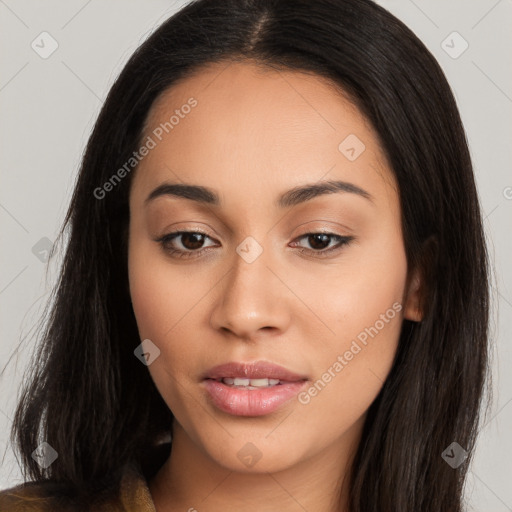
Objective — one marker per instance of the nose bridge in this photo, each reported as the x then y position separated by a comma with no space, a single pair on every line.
249,296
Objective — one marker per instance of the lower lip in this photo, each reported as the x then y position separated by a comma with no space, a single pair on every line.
251,402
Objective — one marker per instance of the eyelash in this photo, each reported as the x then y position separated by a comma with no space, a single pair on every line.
178,253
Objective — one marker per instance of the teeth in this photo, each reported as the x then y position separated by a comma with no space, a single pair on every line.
250,383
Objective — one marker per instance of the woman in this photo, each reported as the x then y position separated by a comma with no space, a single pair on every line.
275,292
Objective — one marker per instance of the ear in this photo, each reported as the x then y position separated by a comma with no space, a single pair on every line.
413,309
416,295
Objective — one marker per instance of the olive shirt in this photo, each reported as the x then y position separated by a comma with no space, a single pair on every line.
133,496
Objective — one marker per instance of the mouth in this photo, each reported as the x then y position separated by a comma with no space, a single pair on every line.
254,371
243,383
251,389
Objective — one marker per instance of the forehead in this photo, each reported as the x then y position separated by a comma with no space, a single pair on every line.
252,125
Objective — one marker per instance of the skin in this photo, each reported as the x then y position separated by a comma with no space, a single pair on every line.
254,134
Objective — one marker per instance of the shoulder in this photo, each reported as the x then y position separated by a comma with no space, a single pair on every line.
133,495
30,497
48,497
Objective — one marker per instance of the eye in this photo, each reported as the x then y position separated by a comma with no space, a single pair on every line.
191,243
319,242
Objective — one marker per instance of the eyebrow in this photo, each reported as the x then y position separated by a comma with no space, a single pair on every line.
292,197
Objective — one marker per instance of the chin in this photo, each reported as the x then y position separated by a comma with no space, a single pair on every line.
254,453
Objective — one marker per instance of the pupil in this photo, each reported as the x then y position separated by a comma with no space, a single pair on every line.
317,237
196,238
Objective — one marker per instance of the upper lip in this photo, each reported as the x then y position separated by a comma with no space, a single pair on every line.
253,370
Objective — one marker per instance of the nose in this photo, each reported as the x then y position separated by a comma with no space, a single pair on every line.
252,301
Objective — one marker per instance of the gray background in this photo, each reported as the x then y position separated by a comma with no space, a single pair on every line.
48,108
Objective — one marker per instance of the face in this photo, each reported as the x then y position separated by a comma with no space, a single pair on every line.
307,289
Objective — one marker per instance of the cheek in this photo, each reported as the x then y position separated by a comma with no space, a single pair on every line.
149,302
156,306
365,311
165,308
157,309
366,285
349,375
158,299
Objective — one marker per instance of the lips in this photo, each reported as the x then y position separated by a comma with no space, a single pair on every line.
255,370
251,389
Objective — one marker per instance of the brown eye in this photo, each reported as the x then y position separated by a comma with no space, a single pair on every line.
184,244
319,243
192,241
